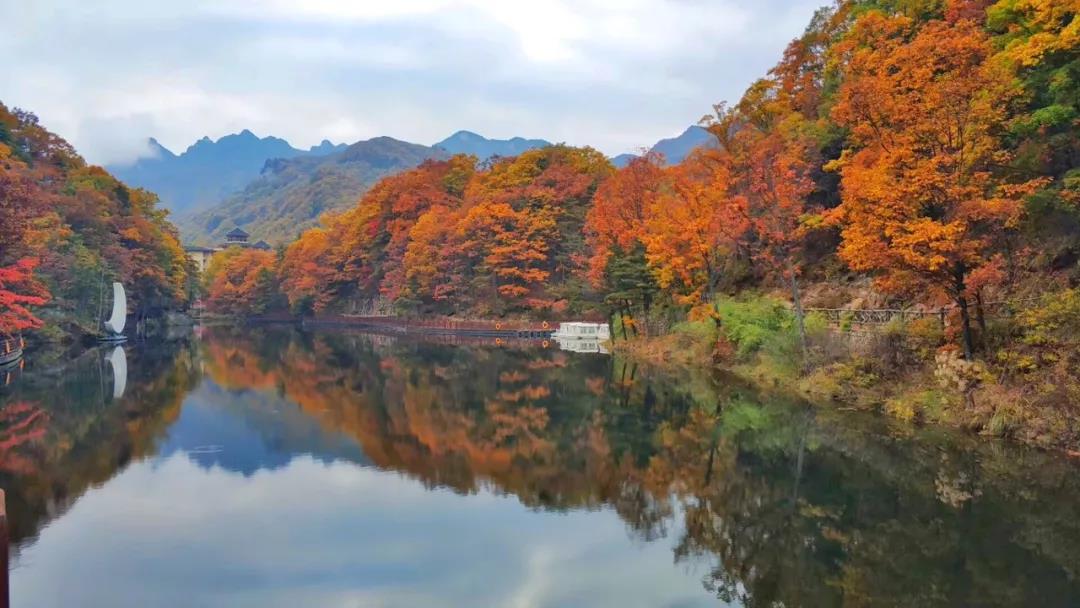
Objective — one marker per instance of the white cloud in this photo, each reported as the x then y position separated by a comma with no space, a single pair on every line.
169,533
615,74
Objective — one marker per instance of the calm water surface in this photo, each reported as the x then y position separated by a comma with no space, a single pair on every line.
278,468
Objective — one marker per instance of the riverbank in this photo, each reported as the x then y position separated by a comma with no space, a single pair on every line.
1019,389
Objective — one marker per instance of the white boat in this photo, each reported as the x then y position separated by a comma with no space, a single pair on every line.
114,326
582,331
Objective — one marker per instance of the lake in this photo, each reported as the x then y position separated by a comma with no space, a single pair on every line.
274,467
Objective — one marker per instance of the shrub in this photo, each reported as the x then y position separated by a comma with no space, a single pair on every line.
924,337
700,330
1055,323
918,406
751,323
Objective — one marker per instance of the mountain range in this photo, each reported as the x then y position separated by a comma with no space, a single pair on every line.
208,171
290,194
274,190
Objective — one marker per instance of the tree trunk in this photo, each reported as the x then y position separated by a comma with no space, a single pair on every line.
630,315
965,320
965,315
980,317
646,304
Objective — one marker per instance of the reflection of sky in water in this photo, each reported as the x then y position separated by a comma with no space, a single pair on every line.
173,533
252,503
247,430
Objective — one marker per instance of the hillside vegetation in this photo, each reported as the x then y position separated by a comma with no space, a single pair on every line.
67,229
918,155
292,193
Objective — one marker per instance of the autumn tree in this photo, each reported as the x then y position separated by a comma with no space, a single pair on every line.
690,225
83,228
922,203
429,264
523,228
307,272
613,231
617,216
19,291
242,281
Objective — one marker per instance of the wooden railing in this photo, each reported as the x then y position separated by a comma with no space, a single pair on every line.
884,316
874,316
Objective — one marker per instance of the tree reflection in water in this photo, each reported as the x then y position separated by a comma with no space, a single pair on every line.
782,504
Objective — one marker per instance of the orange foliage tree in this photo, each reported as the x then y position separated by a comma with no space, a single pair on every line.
922,204
445,237
523,231
616,219
428,263
242,281
307,273
689,227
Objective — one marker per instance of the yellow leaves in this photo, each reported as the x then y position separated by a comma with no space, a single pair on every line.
1037,28
917,204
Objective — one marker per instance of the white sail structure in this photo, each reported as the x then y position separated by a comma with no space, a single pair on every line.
116,322
118,362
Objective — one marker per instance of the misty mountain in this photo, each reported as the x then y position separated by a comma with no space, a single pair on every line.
467,142
290,194
675,149
208,171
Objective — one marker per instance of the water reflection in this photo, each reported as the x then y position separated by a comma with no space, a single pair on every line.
118,362
279,468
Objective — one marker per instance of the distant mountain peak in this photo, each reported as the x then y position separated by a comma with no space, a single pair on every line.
208,171
675,149
326,147
468,142
463,134
158,150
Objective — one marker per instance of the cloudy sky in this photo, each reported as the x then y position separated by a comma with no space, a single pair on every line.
614,74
